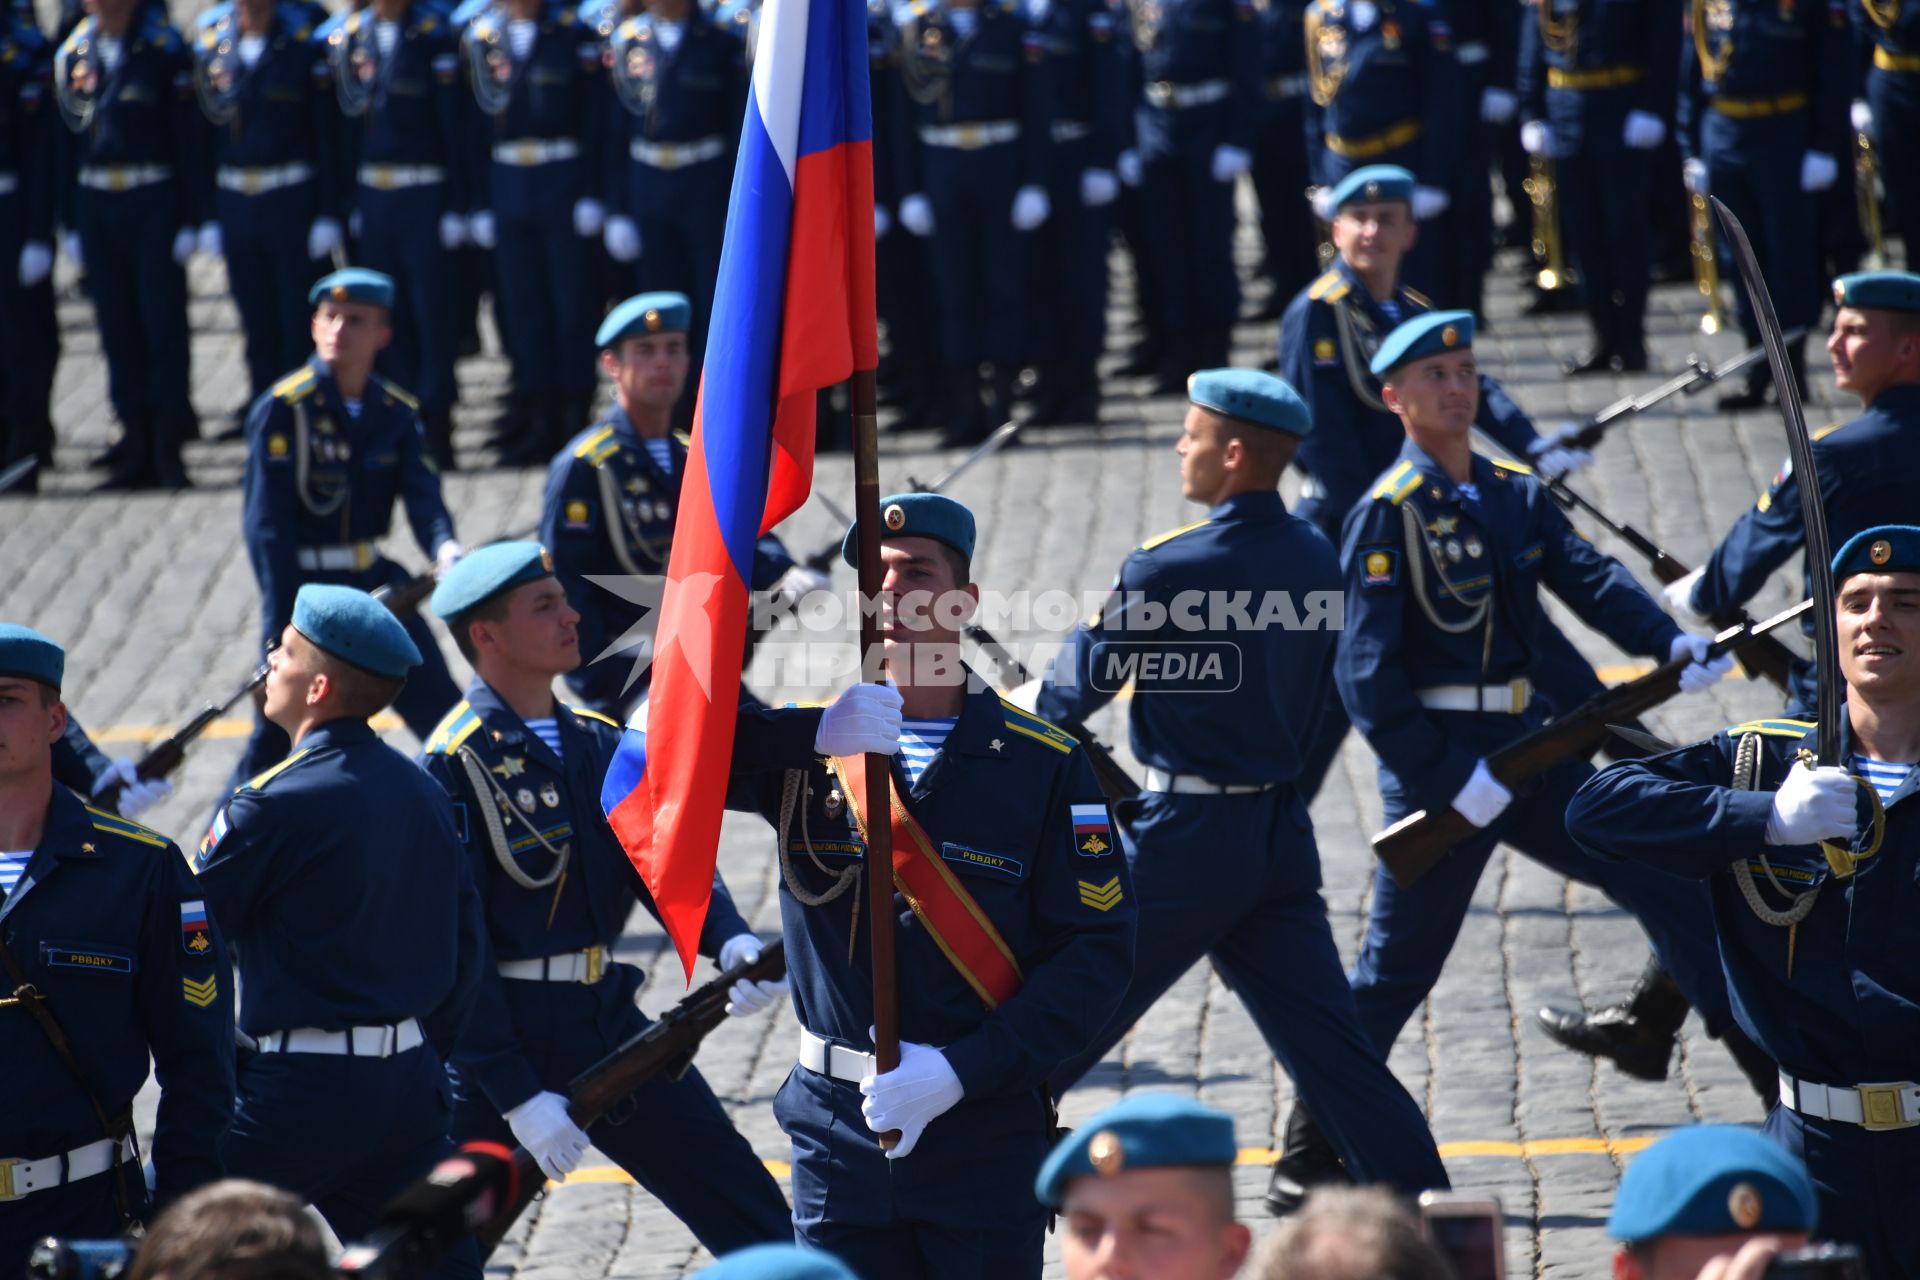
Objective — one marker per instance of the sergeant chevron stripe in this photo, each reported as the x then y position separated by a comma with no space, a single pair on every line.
1101,897
201,993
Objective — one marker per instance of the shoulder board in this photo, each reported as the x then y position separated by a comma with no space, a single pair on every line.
294,386
1773,728
566,18
76,35
427,24
684,437
1330,287
595,447
457,726
1832,427
585,714
403,397
1398,483
115,825
259,781
1032,726
1160,538
1416,297
1508,464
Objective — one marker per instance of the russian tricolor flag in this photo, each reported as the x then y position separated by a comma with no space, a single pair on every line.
793,312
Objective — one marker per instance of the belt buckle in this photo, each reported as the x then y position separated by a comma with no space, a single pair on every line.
380,180
1880,1108
523,153
1160,93
1519,690
116,180
250,182
7,1193
597,965
969,138
362,555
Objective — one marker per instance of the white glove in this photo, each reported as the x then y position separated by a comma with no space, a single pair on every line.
185,241
445,556
1555,456
589,216
1704,671
1817,171
1429,202
1483,798
1536,139
1098,187
70,245
1643,130
541,1125
323,237
453,231
801,581
482,230
916,215
1030,208
355,223
866,718
136,797
1811,804
1128,165
1230,162
36,262
1693,173
911,1096
745,998
622,238
1861,114
1497,106
882,222
1679,595
210,242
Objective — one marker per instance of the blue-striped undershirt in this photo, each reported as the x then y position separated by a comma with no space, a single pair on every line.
660,449
920,742
1883,777
547,729
12,867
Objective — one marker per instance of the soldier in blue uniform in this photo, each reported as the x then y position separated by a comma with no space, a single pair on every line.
909,372
613,492
682,79
1219,844
407,182
265,87
28,181
1764,89
1280,172
104,943
339,878
329,449
1385,88
1484,40
523,772
1444,565
1813,878
537,79
1199,75
1014,934
1080,43
136,156
1890,110
973,154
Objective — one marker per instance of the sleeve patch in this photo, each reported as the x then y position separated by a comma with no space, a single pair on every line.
1092,830
1101,897
1379,566
202,993
193,925
578,515
1325,352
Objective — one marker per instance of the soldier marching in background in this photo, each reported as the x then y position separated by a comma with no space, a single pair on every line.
28,186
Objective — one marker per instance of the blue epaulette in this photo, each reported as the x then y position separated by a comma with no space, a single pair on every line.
1398,484
1772,728
454,728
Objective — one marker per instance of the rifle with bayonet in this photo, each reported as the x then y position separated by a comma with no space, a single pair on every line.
1694,379
664,1049
1412,846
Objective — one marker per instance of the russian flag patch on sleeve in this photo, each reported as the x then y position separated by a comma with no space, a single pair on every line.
1092,832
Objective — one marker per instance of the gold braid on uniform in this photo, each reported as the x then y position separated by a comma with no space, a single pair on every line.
1713,67
300,457
1884,14
1561,35
619,530
1419,554
1349,319
790,800
482,782
1321,83
1746,777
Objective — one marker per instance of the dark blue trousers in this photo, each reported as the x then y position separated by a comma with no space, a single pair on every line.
1604,190
1868,1185
961,1207
27,329
269,274
1286,219
682,216
139,299
1189,220
541,277
400,235
979,261
1754,166
84,1210
1067,288
1895,98
1237,878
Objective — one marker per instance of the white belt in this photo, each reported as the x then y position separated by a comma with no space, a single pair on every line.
252,182
398,177
1871,1106
1194,785
10,183
1070,130
1166,95
528,152
123,177
21,1178
835,1060
1470,52
676,155
1509,699
970,137
587,966
354,1042
355,555
1283,87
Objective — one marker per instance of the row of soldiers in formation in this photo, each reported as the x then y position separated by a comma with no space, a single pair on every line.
1038,923
562,156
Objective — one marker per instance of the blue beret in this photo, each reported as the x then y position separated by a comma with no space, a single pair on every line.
353,626
643,314
1712,1180
26,653
918,515
1887,548
1886,290
1423,336
487,571
1252,396
1142,1131
778,1262
353,284
1372,184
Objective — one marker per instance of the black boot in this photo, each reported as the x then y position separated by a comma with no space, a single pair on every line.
515,420
1601,357
131,459
999,407
1146,355
168,471
536,445
1307,1160
1043,397
1212,349
116,455
1080,395
1176,362
963,420
439,425
1630,337
1760,1070
1638,1035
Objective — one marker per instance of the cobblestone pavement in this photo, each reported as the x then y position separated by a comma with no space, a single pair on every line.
154,600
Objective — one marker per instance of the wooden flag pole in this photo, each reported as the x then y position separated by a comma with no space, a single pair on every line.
879,769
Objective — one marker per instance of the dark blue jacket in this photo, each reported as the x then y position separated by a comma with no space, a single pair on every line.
1082,57
279,111
1191,42
1749,51
29,124
994,74
698,91
1394,85
414,111
1611,56
558,93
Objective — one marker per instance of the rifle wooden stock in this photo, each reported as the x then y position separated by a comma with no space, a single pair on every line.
665,1047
